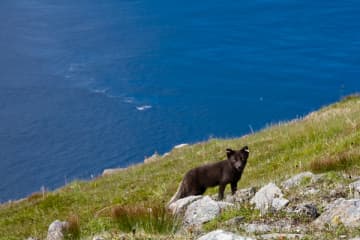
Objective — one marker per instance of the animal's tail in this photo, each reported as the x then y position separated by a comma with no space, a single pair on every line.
177,195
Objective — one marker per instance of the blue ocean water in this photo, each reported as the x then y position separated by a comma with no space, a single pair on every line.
87,85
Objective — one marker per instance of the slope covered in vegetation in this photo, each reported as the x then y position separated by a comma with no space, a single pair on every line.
325,140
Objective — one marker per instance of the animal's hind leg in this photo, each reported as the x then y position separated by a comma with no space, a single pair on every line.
198,191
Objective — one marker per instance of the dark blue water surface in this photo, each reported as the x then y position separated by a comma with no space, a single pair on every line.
87,85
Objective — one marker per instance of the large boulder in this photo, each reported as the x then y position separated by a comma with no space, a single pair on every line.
203,211
179,206
222,235
268,198
297,179
355,189
341,211
56,230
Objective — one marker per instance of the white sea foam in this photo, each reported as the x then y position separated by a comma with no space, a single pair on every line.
76,67
144,107
100,91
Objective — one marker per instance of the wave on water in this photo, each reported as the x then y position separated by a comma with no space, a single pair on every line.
100,91
128,100
143,108
125,99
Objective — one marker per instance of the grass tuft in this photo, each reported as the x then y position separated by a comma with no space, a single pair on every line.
73,230
153,220
337,162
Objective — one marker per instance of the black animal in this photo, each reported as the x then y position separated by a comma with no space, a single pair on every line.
197,180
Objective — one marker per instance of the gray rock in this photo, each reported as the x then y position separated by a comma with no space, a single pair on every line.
257,228
269,197
306,210
31,238
356,238
311,191
179,206
222,235
98,238
202,211
297,179
355,189
340,211
279,203
56,230
241,195
282,236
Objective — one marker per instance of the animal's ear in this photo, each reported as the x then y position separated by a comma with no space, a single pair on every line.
229,152
245,149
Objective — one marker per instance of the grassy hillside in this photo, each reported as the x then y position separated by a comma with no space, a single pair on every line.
326,140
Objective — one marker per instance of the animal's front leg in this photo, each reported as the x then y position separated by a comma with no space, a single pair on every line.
221,191
233,187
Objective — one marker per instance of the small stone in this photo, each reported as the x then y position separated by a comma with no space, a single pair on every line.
282,236
222,235
306,210
279,203
98,238
355,189
56,230
257,228
311,191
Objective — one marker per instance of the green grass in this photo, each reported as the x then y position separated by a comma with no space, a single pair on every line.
328,139
153,219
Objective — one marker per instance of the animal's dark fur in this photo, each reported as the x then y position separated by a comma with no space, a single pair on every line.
197,180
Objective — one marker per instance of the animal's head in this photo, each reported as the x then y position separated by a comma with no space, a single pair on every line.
238,158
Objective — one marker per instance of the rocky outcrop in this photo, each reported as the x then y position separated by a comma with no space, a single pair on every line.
155,157
341,211
202,211
181,145
56,230
112,171
269,198
222,235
